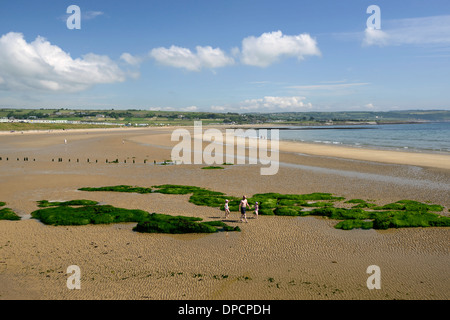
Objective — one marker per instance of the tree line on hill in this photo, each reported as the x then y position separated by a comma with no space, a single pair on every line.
232,117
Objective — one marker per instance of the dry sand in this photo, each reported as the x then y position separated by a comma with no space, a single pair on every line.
272,258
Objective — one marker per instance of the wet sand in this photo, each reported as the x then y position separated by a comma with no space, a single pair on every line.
272,258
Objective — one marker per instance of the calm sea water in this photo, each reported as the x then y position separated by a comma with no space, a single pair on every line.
420,137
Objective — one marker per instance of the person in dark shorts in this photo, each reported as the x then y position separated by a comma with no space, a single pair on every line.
242,208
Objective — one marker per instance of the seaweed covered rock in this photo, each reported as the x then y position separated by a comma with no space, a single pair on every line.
410,205
400,214
181,189
92,214
354,224
8,214
161,223
341,213
46,203
71,213
120,188
287,211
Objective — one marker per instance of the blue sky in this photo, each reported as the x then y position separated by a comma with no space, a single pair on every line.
226,56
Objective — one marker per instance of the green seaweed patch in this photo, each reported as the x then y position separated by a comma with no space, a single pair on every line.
92,214
181,189
411,219
341,213
275,199
2,204
266,212
403,213
65,214
410,205
161,223
287,202
354,224
8,214
299,197
212,167
120,188
287,211
358,218
291,204
359,203
46,203
317,204
222,225
217,201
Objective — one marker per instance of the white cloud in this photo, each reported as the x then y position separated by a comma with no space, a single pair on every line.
375,37
218,108
190,109
88,15
178,57
268,48
161,109
213,58
256,51
43,66
266,104
270,103
130,59
433,30
330,87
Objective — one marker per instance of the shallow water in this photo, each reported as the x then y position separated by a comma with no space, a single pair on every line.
419,137
422,183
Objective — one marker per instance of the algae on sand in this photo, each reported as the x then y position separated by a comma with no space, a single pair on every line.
64,214
120,188
161,223
8,214
400,214
92,214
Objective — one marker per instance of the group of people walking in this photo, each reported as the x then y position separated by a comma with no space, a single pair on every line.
243,205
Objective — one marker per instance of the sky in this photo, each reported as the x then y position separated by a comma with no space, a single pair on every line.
226,55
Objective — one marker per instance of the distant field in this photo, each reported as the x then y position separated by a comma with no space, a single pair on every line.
177,118
48,126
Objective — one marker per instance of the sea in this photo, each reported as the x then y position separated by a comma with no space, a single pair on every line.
426,137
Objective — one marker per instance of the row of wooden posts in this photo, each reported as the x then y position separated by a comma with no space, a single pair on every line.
24,159
78,160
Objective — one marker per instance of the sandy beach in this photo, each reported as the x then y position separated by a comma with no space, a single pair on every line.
273,257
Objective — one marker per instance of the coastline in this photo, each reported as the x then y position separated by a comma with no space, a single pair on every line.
367,153
409,157
423,159
272,258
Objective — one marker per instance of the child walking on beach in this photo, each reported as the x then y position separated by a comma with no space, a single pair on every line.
256,209
243,207
227,209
